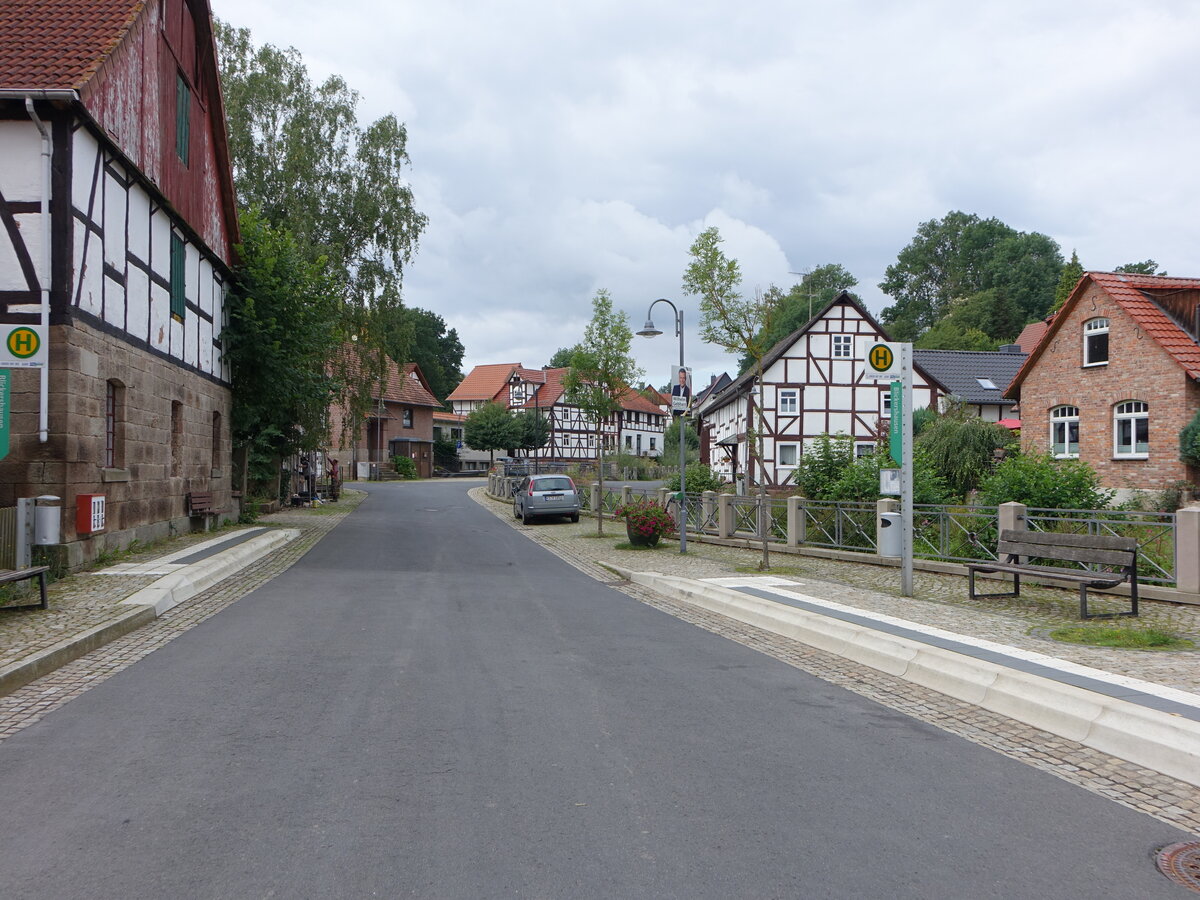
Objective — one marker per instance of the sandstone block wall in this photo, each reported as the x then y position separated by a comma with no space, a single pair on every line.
161,455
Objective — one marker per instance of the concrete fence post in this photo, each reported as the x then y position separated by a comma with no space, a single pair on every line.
725,516
1012,516
1187,549
596,505
663,496
625,494
795,522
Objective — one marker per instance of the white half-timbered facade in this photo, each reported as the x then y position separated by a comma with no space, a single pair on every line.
813,383
141,224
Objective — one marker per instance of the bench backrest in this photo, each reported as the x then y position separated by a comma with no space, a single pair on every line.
1097,549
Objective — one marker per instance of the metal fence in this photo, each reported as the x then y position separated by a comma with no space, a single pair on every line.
955,533
1154,532
841,526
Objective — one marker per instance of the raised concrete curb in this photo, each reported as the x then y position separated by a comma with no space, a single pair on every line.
21,673
176,587
1159,740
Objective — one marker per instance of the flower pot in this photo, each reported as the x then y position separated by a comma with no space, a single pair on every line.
641,540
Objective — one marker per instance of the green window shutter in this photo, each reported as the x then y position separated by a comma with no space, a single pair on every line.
183,109
178,256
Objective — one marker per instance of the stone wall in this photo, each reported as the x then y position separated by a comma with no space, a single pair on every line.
163,451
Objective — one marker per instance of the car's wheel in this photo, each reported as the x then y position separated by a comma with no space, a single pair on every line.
526,518
575,517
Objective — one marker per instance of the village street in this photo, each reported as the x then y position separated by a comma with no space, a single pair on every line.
430,704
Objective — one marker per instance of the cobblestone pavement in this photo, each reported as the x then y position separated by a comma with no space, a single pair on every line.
81,601
938,602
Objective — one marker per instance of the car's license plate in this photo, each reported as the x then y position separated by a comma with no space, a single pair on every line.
554,496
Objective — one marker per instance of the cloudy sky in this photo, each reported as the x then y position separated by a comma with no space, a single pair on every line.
561,147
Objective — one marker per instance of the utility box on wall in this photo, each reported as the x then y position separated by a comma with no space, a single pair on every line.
89,514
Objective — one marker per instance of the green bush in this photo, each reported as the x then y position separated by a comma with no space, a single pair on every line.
1040,480
1189,442
699,478
859,481
961,448
405,467
822,464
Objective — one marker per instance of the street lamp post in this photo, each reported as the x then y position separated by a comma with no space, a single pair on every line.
650,331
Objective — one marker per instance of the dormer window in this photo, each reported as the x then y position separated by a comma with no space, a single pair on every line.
1095,342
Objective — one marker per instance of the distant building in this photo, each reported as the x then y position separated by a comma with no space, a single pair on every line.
975,378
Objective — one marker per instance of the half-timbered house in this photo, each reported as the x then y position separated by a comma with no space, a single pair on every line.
813,383
117,228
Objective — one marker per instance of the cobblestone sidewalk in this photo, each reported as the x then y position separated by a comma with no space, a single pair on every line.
940,601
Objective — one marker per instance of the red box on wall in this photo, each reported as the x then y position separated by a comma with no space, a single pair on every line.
89,513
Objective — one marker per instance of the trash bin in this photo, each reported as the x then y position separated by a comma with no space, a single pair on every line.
888,536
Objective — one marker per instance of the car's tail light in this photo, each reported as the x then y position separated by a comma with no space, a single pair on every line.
572,484
531,489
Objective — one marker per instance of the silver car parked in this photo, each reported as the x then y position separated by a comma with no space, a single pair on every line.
545,495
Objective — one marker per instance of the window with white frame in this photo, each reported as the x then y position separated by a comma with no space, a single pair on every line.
1064,431
1095,342
885,403
862,449
843,346
1131,429
787,454
789,402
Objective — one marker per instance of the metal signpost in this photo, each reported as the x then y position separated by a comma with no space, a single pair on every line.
893,362
5,379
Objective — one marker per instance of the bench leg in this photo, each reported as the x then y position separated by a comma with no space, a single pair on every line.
1132,611
1015,592
42,587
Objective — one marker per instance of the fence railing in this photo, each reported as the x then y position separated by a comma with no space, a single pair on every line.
1155,533
955,533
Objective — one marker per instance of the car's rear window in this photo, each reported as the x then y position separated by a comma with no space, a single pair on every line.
552,484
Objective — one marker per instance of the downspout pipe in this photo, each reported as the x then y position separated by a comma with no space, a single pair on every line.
44,387
47,151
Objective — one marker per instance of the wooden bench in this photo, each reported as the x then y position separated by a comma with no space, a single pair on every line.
200,503
38,572
1016,547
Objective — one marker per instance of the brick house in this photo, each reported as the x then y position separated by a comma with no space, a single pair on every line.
399,422
122,242
1116,377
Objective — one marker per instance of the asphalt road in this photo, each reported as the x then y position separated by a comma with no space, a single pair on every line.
430,705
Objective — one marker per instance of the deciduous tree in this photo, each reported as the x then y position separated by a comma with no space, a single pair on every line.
490,427
601,372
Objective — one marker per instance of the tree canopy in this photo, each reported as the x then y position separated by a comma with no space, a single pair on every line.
980,273
793,309
491,428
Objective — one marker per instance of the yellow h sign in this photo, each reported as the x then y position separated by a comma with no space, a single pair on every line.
23,347
881,357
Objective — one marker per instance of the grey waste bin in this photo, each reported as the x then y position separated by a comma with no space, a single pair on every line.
888,535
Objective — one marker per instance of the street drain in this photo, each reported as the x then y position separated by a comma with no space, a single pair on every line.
1181,863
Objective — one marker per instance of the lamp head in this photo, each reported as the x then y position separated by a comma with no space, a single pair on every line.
649,330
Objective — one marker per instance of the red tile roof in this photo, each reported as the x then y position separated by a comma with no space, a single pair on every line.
637,403
405,384
1030,336
60,44
484,382
1130,292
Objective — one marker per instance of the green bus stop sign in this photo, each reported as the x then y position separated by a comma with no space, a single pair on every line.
5,377
896,432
